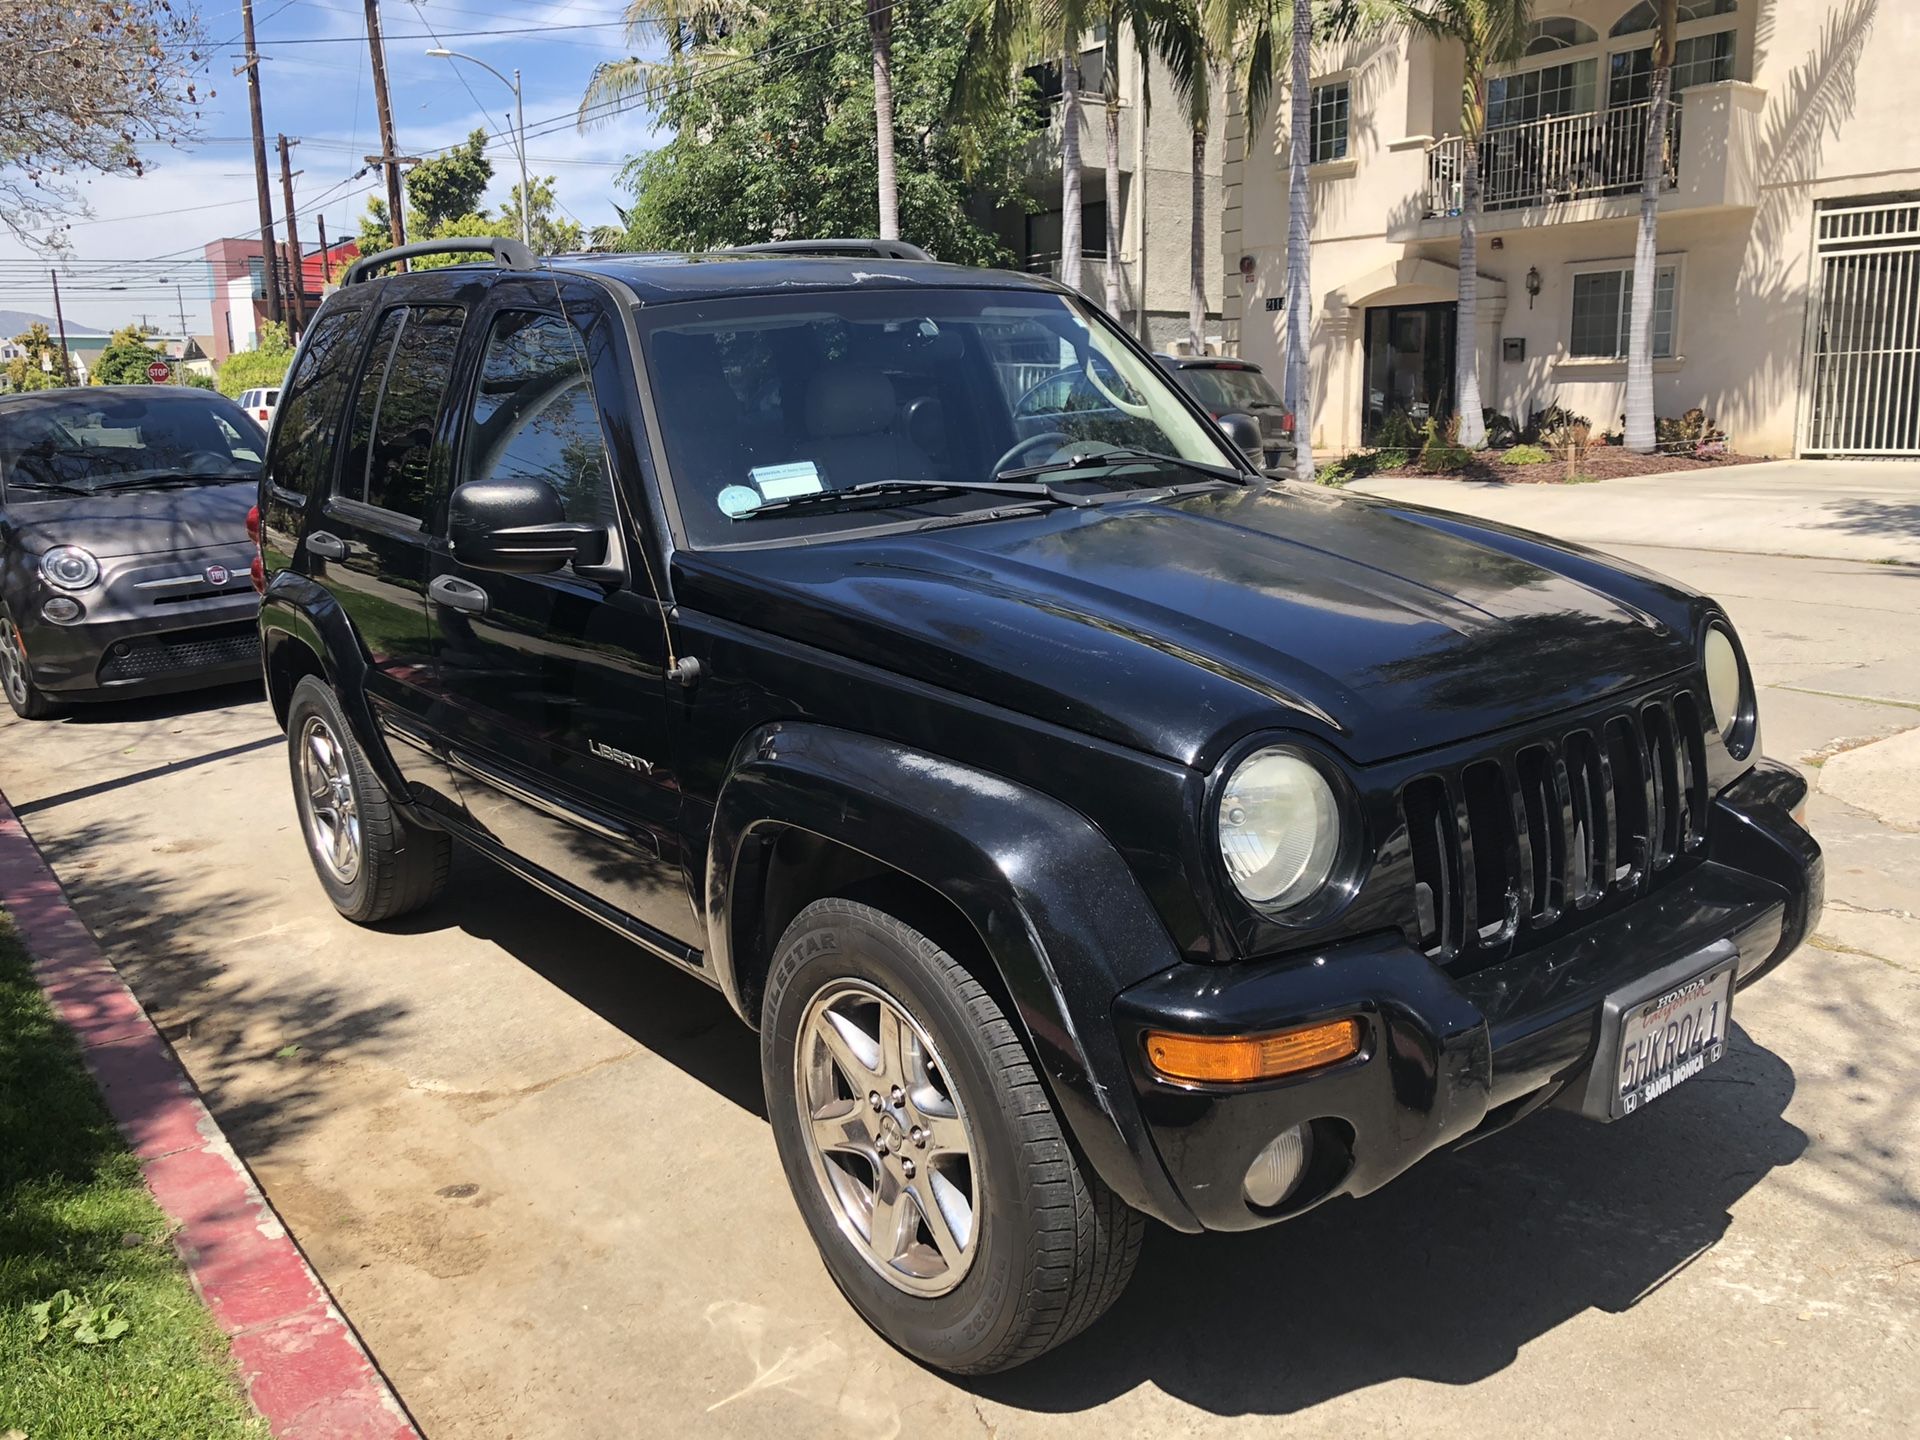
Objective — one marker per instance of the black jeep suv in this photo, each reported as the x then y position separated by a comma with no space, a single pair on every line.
1093,828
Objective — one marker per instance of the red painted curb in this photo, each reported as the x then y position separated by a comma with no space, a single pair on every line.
303,1367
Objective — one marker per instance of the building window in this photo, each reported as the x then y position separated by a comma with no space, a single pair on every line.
1646,15
1603,309
1558,32
1697,60
1541,94
257,273
1329,131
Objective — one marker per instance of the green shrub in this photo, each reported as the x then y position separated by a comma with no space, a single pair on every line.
1692,431
1398,432
1442,453
1501,431
264,365
1525,455
1552,427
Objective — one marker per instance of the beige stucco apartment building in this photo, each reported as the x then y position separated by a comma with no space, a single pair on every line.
1788,302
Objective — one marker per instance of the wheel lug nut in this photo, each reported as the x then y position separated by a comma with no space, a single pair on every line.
873,1099
919,1137
899,1095
906,1168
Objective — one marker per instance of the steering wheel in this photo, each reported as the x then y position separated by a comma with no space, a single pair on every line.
1020,447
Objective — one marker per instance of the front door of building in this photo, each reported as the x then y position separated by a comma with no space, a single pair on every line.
1409,350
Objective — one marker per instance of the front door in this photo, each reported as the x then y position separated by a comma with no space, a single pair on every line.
556,683
1409,351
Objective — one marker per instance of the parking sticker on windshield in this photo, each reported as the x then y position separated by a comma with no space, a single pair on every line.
797,477
737,500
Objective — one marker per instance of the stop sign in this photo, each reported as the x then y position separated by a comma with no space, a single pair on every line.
159,372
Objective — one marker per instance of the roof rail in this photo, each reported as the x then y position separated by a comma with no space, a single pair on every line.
508,254
875,249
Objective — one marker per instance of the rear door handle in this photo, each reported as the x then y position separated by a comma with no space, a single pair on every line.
458,594
327,547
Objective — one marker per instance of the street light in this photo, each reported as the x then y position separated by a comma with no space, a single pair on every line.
519,131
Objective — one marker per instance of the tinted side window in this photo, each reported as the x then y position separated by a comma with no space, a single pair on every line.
399,467
534,415
314,394
352,482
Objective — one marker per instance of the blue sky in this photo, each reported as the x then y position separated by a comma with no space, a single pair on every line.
316,86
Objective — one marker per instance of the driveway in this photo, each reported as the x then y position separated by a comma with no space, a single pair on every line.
532,1163
1834,509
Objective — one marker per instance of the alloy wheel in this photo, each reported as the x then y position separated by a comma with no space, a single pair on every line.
13,662
888,1138
333,813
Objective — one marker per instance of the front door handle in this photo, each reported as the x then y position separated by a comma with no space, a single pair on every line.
327,547
458,594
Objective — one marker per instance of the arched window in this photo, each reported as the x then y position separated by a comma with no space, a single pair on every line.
1646,15
1699,58
1558,32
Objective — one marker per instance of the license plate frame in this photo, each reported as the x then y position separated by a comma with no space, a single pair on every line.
1699,978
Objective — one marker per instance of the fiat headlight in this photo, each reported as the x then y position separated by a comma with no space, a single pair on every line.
1279,828
1726,689
69,567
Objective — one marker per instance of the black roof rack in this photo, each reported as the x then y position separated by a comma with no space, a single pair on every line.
508,254
877,249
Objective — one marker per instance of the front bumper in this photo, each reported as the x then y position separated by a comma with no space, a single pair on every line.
151,625
1445,1058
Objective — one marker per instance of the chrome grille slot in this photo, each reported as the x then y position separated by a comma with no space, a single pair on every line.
1691,734
1434,843
1632,802
1590,794
1663,768
1493,845
1546,842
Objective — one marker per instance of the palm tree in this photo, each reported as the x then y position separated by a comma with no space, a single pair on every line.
1490,33
880,35
1192,41
1143,21
1639,427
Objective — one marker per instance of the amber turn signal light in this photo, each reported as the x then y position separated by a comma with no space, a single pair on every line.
1229,1059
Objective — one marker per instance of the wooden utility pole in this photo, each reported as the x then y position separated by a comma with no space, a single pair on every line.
296,271
389,157
252,68
326,257
60,324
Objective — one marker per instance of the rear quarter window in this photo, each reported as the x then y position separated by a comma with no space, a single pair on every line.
314,395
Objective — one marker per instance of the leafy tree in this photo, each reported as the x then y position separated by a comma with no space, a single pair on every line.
195,379
550,234
38,367
450,185
88,86
265,364
125,360
772,122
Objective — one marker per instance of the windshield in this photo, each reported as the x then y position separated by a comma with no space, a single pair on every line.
115,438
1222,389
780,398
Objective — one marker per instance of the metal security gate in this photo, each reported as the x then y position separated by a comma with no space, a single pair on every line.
1862,395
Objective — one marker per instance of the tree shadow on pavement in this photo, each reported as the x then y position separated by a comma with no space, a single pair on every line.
683,1020
163,707
1447,1272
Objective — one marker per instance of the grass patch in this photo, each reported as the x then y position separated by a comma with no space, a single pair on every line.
101,1335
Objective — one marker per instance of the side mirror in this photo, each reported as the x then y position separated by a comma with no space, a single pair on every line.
518,527
1244,431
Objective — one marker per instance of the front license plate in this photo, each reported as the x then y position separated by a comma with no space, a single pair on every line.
1672,1037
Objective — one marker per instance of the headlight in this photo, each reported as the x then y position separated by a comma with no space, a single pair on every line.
69,567
1726,689
1279,828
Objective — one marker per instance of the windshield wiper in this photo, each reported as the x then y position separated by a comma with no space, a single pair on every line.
54,485
818,499
168,482
1122,455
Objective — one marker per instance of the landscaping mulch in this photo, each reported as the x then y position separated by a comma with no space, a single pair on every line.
1602,462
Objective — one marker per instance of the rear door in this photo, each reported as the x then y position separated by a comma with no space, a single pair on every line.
371,540
555,683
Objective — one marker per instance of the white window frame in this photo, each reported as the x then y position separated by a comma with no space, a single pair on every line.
1315,86
1675,261
1603,49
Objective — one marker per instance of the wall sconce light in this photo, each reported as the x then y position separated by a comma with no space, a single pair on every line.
1533,284
1246,269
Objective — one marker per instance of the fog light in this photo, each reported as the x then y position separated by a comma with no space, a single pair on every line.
1278,1168
61,610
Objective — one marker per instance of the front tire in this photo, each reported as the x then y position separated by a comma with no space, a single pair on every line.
923,1151
28,700
373,864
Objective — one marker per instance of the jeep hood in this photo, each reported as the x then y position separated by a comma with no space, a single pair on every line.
1177,628
133,522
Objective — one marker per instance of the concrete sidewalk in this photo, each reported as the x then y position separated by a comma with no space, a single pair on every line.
1829,509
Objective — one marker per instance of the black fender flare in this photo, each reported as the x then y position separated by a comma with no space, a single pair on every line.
296,610
1055,907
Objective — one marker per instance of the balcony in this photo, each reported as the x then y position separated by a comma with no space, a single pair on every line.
1093,273
1562,158
1572,168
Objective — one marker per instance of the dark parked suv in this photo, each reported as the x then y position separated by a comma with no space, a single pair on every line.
1093,828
